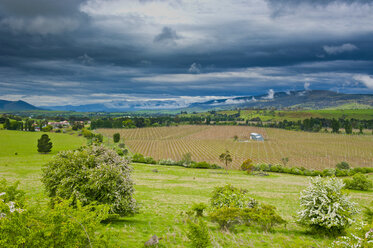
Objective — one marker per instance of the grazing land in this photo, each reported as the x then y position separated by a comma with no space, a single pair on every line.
163,195
206,143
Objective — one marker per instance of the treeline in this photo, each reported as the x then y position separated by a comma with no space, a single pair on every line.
317,124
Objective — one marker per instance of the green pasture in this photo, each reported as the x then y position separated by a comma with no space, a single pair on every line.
163,192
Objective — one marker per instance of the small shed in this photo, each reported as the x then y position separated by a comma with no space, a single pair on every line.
256,136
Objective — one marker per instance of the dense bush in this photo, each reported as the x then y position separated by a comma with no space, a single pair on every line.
169,162
116,137
325,207
263,215
343,166
139,158
229,196
226,217
44,144
91,174
198,234
199,208
247,165
59,225
358,182
204,165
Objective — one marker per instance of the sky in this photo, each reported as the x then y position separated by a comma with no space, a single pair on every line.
76,52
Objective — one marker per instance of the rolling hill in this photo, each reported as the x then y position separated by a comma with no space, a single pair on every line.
16,106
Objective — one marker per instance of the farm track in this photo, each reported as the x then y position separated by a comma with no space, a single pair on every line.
310,150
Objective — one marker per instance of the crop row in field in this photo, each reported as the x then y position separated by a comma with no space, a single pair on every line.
206,143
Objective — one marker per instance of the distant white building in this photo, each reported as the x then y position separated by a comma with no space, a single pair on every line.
256,136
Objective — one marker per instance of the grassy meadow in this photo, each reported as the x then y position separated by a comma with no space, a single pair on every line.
206,143
163,194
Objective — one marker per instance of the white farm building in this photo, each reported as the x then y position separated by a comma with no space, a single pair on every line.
256,136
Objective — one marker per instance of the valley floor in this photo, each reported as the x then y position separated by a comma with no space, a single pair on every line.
164,194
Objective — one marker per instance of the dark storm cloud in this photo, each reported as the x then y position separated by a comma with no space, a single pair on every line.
167,35
178,48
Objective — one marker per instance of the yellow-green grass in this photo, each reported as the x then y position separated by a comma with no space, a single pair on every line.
164,194
206,143
27,162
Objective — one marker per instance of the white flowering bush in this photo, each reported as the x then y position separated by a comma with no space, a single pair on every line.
94,174
325,207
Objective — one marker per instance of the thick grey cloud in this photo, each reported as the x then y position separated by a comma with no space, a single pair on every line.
183,48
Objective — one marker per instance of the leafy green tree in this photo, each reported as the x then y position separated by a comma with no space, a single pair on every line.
92,174
116,137
226,158
6,124
44,144
335,126
348,127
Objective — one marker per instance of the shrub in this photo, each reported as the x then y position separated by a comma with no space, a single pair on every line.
229,196
168,162
59,226
247,165
226,217
358,182
328,172
341,173
324,207
10,193
116,137
149,160
198,234
186,160
204,165
362,237
199,208
91,174
276,168
263,215
343,166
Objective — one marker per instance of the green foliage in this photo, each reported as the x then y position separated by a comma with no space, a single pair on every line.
60,225
139,158
343,166
199,208
348,127
263,215
361,237
335,126
116,137
226,158
324,207
358,182
44,144
368,213
204,165
10,193
47,128
226,217
91,174
229,196
186,159
198,233
247,165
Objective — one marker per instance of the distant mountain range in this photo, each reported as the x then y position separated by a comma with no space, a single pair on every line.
307,99
16,106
